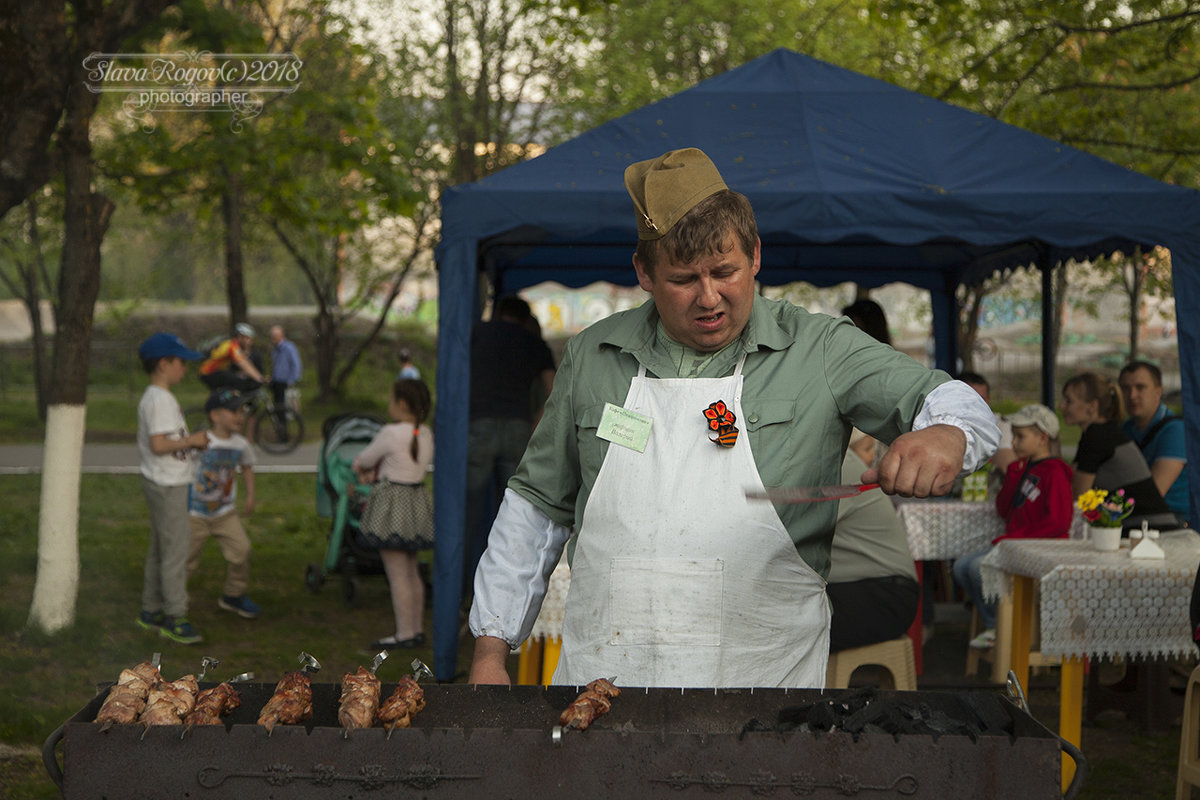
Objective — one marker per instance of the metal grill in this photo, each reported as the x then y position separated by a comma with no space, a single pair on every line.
654,743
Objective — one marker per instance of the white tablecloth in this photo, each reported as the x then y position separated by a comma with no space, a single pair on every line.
948,529
1104,604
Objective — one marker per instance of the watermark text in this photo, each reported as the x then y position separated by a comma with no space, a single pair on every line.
238,83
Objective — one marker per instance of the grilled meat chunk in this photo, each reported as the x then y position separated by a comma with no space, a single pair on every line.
406,702
360,699
291,703
126,700
170,701
594,702
212,704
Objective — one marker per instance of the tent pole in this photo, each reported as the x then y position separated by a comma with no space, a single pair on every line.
945,328
1049,345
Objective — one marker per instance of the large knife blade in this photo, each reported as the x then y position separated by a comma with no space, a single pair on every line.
810,494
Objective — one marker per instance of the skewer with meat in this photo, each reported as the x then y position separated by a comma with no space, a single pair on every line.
360,699
170,701
126,700
405,702
594,702
291,703
212,704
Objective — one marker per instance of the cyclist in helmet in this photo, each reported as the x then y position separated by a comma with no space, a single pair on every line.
228,364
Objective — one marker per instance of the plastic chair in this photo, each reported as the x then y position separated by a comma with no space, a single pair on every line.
1189,741
895,656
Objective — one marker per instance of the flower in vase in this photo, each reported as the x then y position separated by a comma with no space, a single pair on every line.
1102,510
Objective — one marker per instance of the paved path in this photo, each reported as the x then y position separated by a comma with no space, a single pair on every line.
22,459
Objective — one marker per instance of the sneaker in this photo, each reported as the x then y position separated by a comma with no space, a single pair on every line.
150,620
985,640
178,629
243,606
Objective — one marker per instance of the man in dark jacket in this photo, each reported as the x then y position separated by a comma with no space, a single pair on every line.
510,365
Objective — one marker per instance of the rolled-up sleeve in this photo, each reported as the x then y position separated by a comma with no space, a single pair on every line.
955,403
524,547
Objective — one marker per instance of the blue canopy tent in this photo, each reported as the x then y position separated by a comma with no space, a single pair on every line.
851,179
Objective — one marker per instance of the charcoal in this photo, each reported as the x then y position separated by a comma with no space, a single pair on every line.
992,717
938,723
864,711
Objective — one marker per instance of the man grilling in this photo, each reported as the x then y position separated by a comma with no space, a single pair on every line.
661,419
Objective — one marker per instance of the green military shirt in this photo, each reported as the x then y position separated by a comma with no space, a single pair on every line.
808,378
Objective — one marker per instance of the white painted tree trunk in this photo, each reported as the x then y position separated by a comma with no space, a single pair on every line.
57,586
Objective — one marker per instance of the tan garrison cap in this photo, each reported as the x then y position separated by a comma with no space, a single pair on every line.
665,188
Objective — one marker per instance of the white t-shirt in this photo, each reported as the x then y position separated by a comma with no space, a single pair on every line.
159,413
389,453
213,493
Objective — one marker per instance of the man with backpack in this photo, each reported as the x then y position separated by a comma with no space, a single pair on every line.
1157,432
228,364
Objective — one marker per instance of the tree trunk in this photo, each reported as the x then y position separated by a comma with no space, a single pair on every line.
326,345
86,219
34,276
969,327
40,372
231,208
1137,282
1060,305
54,592
32,38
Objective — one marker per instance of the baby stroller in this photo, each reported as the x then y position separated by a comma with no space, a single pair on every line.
341,498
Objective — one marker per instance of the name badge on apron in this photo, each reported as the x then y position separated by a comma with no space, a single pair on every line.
624,427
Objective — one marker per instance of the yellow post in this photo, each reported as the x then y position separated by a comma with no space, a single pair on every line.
550,658
1002,651
529,663
1022,623
1070,712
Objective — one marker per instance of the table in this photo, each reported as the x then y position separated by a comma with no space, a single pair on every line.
1094,605
940,530
948,529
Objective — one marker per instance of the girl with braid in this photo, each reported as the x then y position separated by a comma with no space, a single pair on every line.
398,518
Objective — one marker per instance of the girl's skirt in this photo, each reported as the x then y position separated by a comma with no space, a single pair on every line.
398,516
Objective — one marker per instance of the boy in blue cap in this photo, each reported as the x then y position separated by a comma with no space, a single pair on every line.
212,500
165,447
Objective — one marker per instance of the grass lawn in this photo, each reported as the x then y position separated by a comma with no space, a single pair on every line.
44,680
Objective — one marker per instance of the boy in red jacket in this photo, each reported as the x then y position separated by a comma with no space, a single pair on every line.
1035,502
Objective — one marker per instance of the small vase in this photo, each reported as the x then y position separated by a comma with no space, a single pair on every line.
1106,539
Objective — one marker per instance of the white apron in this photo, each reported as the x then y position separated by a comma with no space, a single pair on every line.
677,579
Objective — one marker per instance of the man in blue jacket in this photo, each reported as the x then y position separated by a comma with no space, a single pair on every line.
285,367
1157,431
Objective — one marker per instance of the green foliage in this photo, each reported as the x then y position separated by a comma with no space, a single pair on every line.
1113,77
643,52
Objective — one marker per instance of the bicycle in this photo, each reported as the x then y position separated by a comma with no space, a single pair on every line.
275,433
